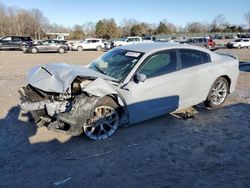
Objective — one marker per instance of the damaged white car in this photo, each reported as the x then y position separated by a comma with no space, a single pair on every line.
127,85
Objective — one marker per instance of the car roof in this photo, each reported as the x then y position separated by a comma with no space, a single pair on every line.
16,36
158,46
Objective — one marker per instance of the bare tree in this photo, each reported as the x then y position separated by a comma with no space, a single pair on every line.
195,27
89,28
127,25
247,18
218,23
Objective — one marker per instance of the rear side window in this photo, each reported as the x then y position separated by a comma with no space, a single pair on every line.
190,58
16,39
206,57
200,40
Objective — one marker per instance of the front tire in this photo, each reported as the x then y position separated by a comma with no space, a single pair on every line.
79,48
218,93
61,50
34,50
104,120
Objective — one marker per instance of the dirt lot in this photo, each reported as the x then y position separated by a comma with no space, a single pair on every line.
212,149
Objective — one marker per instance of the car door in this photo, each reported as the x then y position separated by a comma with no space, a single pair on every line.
94,44
196,76
16,42
246,43
43,46
87,44
53,46
158,94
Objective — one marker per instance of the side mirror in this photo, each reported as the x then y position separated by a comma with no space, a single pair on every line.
140,77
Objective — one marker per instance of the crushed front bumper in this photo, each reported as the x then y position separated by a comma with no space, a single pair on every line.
68,116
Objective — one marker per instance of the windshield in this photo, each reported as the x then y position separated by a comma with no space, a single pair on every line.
116,63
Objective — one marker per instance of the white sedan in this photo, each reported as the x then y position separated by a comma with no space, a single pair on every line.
127,85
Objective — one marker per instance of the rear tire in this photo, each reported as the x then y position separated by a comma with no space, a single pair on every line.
218,93
99,48
104,120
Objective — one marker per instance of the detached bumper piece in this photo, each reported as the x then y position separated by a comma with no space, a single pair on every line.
68,116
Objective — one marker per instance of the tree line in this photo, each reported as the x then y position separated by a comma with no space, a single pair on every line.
15,21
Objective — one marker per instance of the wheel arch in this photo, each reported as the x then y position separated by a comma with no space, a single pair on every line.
35,48
120,101
228,81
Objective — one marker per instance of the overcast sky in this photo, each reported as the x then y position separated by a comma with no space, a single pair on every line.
179,12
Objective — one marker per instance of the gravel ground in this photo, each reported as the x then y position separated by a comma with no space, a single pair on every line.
211,149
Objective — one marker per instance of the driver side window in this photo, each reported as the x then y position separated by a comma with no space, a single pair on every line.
160,64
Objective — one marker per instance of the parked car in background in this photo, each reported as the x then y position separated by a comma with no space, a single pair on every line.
14,42
245,35
126,85
200,41
89,44
239,43
59,46
126,41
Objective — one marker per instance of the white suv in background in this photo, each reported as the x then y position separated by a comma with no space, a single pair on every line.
239,43
89,44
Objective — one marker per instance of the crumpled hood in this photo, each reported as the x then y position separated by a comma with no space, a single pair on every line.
58,77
